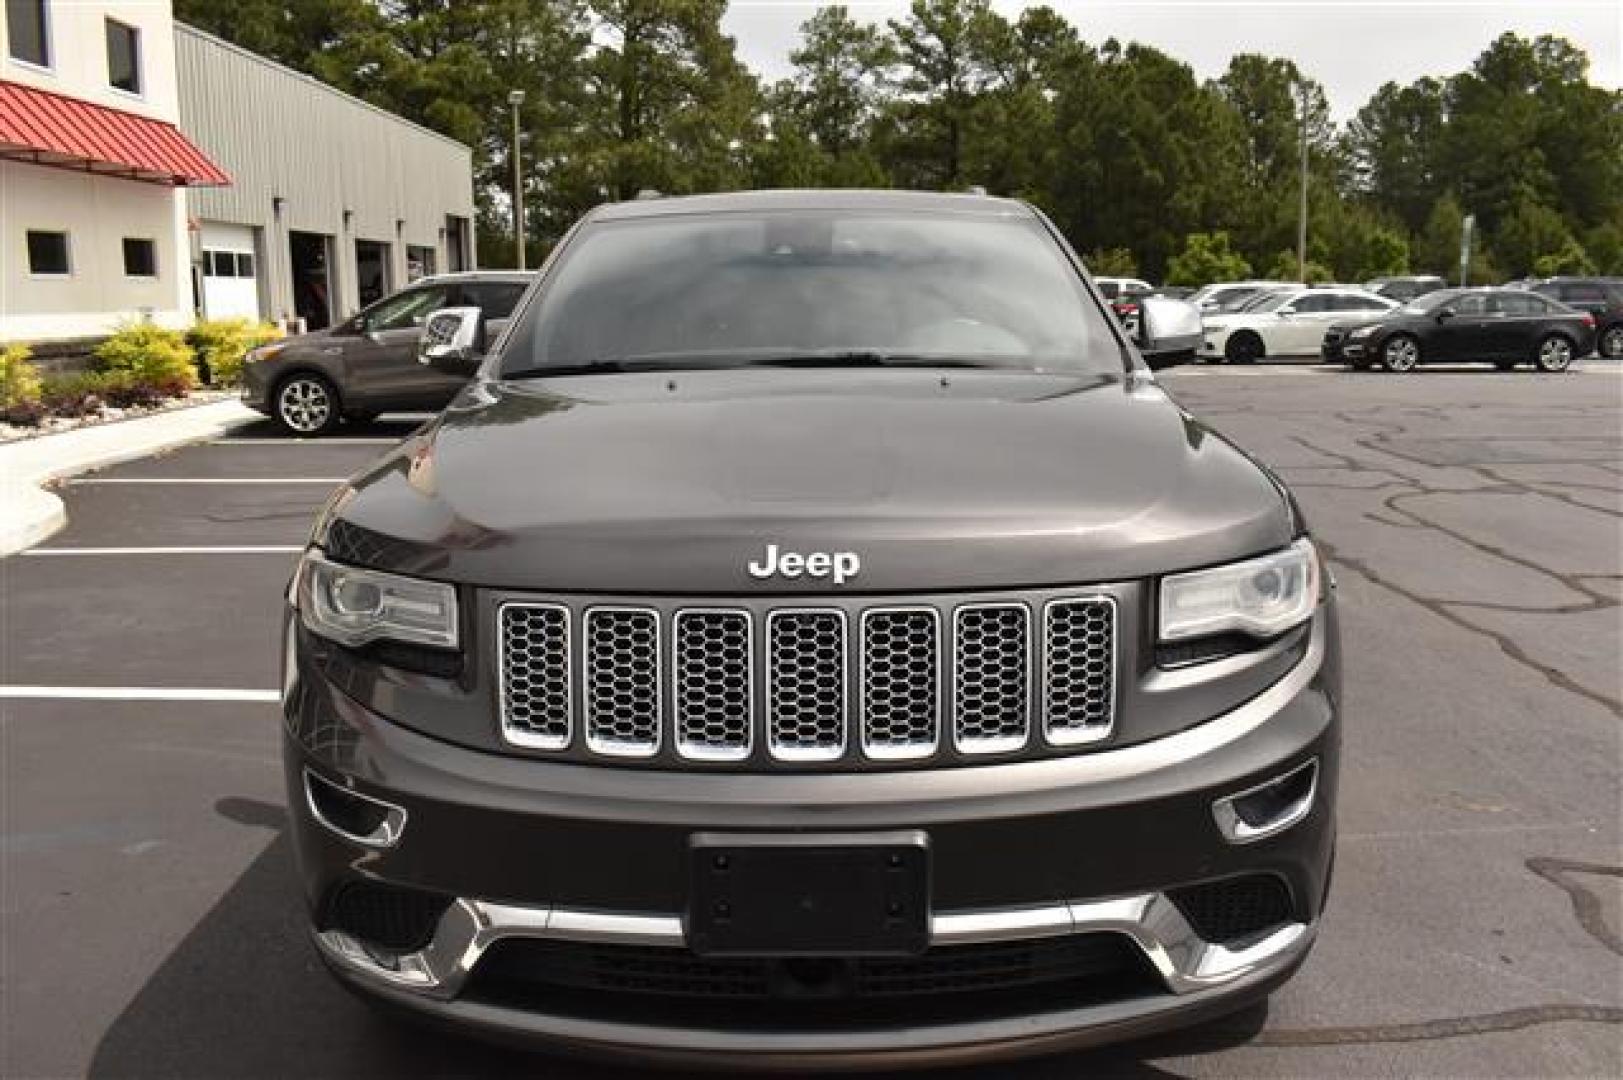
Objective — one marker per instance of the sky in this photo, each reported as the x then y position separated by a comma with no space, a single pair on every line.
1350,46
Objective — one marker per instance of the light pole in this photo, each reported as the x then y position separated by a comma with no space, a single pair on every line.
1301,217
515,98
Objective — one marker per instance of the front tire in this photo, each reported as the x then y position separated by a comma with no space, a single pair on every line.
1554,354
1244,348
1400,354
306,405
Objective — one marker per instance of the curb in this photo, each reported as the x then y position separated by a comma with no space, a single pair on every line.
29,514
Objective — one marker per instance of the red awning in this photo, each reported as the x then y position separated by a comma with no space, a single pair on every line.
49,129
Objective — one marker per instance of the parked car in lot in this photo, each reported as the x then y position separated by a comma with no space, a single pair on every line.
368,363
1124,295
1505,327
1287,322
1601,297
811,640
1405,287
1231,295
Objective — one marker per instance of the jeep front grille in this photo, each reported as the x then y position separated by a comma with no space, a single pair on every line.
805,686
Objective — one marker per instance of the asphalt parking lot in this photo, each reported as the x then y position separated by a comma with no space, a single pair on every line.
152,926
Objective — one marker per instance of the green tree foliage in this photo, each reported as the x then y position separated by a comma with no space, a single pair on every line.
1120,144
1111,262
1208,257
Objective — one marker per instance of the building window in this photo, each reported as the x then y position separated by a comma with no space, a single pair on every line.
140,257
233,264
123,56
28,32
48,253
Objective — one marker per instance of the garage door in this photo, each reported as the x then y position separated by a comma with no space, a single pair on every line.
230,272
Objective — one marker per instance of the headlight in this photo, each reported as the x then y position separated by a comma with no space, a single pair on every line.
1264,596
1361,332
353,606
263,352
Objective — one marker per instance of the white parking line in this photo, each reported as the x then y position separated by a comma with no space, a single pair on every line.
207,480
367,441
135,693
261,549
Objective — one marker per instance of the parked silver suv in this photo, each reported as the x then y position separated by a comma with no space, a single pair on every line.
368,363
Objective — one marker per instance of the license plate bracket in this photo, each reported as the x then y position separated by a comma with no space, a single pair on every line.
828,894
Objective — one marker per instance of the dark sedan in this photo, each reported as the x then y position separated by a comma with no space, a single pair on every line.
1504,327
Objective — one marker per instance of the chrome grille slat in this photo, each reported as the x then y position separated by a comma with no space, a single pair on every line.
991,698
713,674
535,675
901,682
806,684
1079,674
622,693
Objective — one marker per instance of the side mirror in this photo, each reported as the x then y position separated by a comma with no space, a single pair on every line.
452,340
1169,331
1446,314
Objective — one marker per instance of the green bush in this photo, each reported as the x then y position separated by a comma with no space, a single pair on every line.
19,385
1207,257
153,357
222,344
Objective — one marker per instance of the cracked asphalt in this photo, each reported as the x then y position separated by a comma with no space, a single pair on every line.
150,925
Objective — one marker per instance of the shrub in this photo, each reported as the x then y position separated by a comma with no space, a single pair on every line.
1207,257
222,344
19,385
73,395
153,357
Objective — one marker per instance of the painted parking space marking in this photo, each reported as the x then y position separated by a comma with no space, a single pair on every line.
95,480
247,549
135,693
205,480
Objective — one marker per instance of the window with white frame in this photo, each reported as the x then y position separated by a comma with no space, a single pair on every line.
140,257
123,57
48,253
28,32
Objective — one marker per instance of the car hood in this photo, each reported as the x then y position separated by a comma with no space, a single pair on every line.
674,483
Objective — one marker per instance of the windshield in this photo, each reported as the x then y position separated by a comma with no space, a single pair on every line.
1432,301
812,287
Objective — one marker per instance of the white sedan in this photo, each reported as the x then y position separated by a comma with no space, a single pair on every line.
1287,323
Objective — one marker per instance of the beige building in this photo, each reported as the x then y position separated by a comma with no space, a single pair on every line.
333,203
93,225
151,171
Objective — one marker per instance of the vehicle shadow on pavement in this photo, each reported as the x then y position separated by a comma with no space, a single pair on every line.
394,426
244,995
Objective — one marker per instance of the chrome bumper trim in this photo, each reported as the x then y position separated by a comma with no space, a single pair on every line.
1185,961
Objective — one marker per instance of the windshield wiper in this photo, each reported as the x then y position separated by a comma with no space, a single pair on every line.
730,360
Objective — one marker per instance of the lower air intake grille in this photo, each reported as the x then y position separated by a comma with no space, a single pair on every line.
397,919
1236,909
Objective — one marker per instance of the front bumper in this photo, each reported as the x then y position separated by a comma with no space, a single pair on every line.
1093,844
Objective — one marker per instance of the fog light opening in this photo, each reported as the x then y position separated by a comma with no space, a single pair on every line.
360,819
1269,808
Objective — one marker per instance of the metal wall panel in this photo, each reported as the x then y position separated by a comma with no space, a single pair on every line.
285,136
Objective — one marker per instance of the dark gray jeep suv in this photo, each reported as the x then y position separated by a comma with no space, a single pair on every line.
813,640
